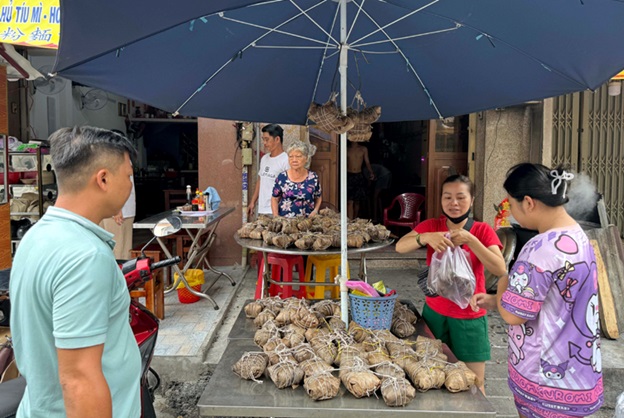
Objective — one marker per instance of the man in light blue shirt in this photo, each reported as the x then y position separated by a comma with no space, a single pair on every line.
69,318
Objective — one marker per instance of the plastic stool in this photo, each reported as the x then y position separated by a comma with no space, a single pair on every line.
282,266
321,263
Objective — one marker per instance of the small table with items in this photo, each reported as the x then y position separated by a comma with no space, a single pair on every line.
264,248
201,230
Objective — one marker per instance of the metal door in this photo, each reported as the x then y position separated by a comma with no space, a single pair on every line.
588,130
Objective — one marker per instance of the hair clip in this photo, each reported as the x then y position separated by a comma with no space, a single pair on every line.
558,179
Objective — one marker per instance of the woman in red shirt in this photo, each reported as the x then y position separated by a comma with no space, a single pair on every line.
463,330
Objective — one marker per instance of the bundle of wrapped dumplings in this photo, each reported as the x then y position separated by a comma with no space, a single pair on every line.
308,344
317,233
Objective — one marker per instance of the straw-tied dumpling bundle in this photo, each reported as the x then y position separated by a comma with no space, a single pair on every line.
423,360
363,119
251,365
403,320
428,367
317,233
329,118
307,342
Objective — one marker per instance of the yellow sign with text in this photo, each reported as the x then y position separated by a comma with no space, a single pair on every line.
30,23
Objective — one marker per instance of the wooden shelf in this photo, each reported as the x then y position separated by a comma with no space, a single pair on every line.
162,120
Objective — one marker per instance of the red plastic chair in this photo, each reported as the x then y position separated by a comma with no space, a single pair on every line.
411,204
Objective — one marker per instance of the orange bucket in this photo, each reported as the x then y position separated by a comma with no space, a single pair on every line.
184,296
195,279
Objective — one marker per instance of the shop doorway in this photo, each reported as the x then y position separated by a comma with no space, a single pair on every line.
325,164
419,156
447,155
398,148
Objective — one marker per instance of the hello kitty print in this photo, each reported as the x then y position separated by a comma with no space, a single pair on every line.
555,366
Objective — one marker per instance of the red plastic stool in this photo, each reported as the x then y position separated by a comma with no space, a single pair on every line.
282,266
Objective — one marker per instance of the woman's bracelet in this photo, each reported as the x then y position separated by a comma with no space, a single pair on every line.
418,240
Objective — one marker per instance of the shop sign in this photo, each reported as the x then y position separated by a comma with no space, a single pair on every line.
30,23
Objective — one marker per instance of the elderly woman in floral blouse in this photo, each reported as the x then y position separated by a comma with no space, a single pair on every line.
297,191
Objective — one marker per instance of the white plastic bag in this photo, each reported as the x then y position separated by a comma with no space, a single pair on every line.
451,276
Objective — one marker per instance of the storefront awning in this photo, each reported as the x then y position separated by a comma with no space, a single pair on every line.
31,23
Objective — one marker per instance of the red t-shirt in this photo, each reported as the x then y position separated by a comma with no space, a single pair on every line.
488,237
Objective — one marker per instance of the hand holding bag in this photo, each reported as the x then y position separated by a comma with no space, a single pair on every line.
451,276
424,273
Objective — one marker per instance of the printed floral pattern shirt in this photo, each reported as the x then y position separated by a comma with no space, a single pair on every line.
297,198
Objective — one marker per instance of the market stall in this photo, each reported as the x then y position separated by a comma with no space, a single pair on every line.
228,395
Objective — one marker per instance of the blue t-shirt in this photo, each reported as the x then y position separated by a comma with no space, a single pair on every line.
67,292
297,198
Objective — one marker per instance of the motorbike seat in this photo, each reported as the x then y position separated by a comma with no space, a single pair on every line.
11,393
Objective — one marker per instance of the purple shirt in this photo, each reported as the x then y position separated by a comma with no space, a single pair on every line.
297,198
554,358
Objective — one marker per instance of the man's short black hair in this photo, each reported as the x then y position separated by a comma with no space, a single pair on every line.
275,131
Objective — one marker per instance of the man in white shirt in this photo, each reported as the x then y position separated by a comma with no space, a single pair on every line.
274,162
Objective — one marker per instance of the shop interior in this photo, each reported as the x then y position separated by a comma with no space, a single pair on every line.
403,149
167,157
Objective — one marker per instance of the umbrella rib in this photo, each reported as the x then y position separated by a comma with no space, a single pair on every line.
380,28
520,51
270,30
238,54
457,26
363,51
357,14
325,56
304,12
526,54
288,47
407,61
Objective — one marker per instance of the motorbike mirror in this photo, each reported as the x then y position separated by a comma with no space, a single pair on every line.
169,225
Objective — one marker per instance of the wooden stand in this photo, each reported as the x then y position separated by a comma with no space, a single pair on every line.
153,290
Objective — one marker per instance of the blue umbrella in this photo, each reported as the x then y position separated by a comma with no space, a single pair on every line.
268,60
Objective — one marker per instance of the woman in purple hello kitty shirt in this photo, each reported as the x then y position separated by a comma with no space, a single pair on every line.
297,191
550,301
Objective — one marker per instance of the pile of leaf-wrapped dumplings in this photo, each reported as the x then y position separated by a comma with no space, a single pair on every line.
309,344
317,233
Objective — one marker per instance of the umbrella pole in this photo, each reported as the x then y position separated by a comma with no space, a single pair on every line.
344,311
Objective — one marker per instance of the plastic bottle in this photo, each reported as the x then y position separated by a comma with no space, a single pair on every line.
201,202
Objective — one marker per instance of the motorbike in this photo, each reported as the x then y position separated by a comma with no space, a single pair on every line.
144,324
